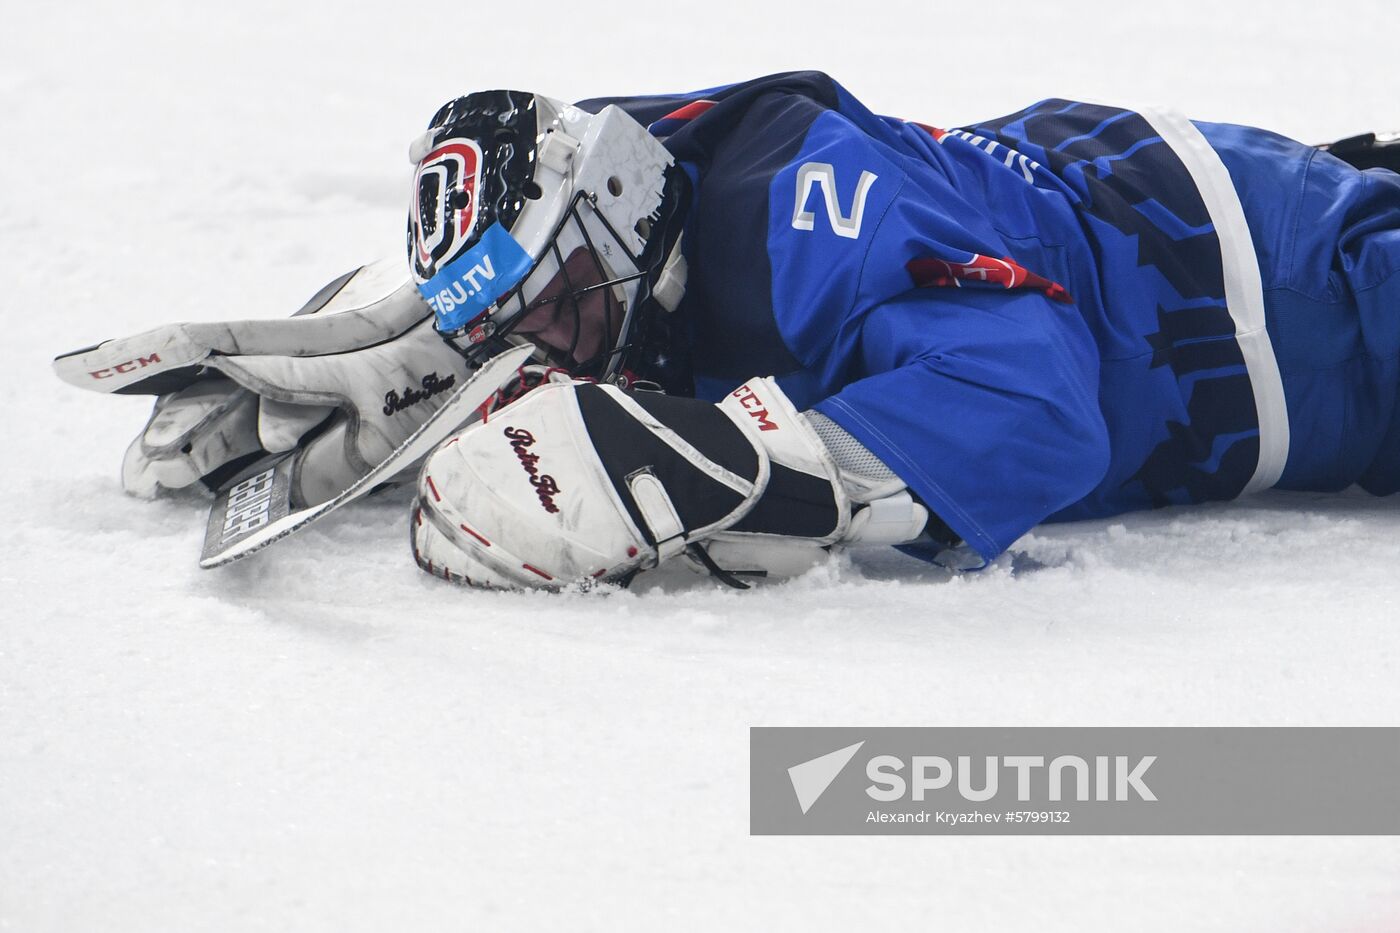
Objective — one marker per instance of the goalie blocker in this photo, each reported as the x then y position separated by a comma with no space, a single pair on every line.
578,482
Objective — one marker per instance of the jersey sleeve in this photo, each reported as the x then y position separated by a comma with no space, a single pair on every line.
676,118
985,403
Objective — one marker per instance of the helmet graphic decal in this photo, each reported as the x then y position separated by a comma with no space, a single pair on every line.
444,209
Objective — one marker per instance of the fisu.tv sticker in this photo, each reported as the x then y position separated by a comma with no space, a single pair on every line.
476,280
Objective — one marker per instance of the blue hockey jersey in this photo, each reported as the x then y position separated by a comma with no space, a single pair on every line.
1069,312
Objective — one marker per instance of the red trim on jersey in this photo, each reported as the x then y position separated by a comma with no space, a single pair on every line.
690,111
1006,272
933,131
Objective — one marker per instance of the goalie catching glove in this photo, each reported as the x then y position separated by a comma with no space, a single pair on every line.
579,482
340,384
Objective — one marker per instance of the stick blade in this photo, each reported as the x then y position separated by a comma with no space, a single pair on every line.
258,497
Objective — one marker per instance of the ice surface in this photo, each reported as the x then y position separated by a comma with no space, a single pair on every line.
323,738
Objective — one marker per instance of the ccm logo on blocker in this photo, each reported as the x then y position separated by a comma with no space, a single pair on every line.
130,366
755,407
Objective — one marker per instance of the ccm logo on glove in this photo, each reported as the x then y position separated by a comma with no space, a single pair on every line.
755,407
130,366
545,486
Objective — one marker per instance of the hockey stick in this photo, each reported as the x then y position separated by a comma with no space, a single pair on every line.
245,518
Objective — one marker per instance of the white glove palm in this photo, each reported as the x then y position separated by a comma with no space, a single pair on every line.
579,482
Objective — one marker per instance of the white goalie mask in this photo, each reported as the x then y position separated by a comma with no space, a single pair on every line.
535,221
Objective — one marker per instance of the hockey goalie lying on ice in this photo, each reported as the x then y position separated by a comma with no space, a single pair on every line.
763,322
